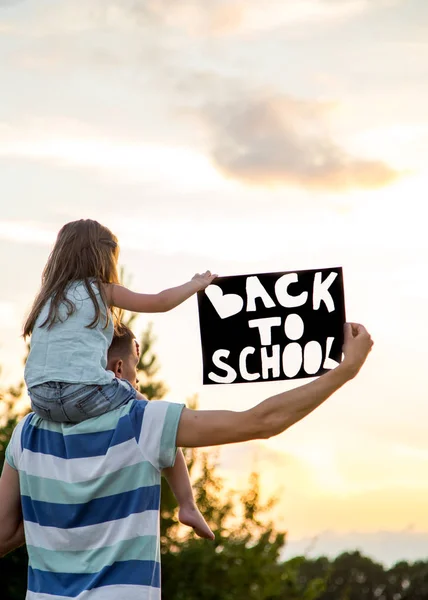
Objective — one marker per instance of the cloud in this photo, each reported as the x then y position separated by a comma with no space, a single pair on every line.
200,19
26,232
265,142
223,17
280,140
257,139
109,159
4,3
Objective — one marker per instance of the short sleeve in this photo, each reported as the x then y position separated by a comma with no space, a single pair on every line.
13,450
9,456
158,435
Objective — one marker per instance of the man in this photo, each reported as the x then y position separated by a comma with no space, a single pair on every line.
90,492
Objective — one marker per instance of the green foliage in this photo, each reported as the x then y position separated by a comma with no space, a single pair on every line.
242,562
352,576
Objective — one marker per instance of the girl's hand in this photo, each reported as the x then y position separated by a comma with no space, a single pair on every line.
203,280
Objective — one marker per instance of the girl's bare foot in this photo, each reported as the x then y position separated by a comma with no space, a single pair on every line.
190,515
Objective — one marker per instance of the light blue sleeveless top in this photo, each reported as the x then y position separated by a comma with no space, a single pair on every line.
70,351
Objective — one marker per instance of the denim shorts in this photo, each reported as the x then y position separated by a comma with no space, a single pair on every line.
76,402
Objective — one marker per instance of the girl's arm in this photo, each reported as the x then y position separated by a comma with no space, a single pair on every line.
121,297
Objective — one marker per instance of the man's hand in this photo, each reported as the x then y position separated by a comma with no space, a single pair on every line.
357,345
203,280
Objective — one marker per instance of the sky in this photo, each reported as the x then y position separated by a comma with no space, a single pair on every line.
242,138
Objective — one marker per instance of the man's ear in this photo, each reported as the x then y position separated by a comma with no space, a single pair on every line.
117,368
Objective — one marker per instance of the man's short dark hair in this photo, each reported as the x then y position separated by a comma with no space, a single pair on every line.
122,342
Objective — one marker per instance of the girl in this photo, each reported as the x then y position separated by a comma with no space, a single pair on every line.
71,324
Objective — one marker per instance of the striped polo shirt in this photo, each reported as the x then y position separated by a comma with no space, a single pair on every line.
90,497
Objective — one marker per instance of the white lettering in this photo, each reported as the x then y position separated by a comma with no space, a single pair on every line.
292,359
226,305
294,327
270,363
329,363
243,364
312,357
282,295
321,293
256,290
265,328
231,373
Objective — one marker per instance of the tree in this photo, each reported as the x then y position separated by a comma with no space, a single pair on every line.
409,581
355,577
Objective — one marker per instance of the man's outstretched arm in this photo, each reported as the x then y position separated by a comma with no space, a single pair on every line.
276,414
11,524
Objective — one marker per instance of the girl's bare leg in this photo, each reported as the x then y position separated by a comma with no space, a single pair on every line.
188,513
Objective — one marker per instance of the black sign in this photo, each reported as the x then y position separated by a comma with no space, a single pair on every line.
271,326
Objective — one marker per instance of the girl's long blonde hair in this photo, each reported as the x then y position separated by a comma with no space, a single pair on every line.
84,251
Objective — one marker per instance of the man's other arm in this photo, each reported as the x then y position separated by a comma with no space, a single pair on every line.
11,524
276,414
